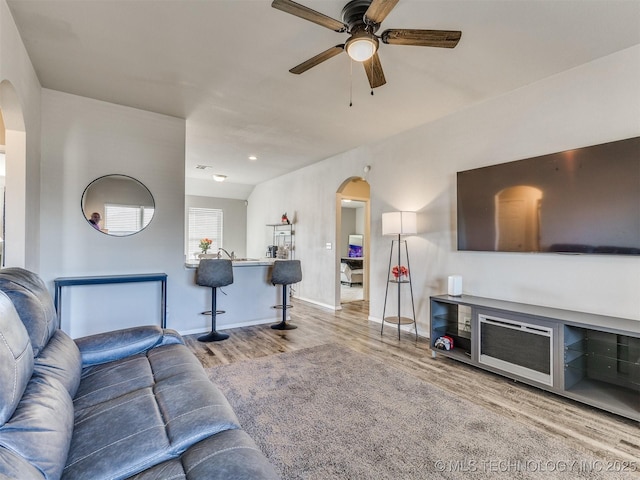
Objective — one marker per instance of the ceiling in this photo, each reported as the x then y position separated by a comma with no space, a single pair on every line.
223,66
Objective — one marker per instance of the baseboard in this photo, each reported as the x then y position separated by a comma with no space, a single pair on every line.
320,304
235,325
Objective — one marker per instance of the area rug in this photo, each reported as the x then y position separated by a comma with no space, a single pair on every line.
329,412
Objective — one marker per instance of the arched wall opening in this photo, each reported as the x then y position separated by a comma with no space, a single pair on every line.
13,214
354,189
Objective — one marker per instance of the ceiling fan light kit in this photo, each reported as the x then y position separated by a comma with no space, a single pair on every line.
361,19
361,46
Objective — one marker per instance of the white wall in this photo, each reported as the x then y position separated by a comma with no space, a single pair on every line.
591,104
20,101
83,139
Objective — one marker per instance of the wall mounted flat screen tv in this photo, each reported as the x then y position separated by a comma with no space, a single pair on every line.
578,201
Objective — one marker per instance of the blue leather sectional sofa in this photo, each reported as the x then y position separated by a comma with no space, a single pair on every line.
133,403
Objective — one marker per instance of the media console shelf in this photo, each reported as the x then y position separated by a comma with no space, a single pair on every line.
594,359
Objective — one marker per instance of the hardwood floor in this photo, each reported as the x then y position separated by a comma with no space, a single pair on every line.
586,429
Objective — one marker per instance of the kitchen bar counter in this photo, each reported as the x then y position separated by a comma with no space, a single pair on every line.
246,262
249,300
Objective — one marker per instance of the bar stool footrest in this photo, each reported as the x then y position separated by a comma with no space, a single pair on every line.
281,307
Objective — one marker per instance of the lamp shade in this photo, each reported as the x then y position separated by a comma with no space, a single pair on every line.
399,223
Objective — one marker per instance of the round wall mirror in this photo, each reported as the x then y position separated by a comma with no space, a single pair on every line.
117,205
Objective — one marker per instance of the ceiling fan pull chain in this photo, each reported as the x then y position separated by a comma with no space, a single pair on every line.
372,77
351,84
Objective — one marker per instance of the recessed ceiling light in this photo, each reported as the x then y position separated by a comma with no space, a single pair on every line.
252,157
219,178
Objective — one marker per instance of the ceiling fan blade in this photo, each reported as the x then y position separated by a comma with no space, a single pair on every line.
379,9
422,38
308,14
373,68
321,57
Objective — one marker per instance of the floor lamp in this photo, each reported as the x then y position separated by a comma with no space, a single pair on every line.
399,223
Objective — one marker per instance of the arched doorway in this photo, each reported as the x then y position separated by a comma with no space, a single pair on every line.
14,214
352,241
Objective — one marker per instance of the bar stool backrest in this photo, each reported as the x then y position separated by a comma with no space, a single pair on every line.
286,272
214,272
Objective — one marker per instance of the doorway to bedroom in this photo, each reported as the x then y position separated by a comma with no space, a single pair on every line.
352,241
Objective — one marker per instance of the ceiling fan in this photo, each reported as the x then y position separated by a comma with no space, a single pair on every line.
361,19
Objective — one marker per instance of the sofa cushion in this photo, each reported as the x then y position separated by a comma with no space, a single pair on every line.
117,438
13,465
60,359
105,382
191,405
33,303
41,426
231,454
147,409
109,346
16,359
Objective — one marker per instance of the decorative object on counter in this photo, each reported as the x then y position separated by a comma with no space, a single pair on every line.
205,245
283,252
400,271
399,223
285,272
214,273
454,285
285,219
283,241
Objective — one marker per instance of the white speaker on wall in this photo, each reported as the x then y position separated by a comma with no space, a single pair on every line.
455,285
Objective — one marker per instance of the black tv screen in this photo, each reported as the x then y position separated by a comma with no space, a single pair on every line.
578,201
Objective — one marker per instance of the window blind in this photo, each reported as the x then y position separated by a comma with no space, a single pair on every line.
126,219
204,223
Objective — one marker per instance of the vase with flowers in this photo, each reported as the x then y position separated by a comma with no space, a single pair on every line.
205,245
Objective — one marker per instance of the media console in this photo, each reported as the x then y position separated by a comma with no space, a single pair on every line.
594,359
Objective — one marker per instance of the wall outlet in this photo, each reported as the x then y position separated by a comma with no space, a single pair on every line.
328,245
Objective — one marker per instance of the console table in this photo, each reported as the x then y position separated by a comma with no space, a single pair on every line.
110,279
594,359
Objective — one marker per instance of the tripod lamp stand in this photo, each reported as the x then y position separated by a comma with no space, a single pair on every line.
398,224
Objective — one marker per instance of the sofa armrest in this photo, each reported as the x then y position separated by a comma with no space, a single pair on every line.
110,346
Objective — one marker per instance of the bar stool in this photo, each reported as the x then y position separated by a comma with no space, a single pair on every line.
214,273
285,272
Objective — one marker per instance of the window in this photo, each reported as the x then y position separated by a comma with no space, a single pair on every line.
203,223
126,219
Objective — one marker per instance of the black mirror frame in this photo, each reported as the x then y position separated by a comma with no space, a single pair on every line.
119,175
